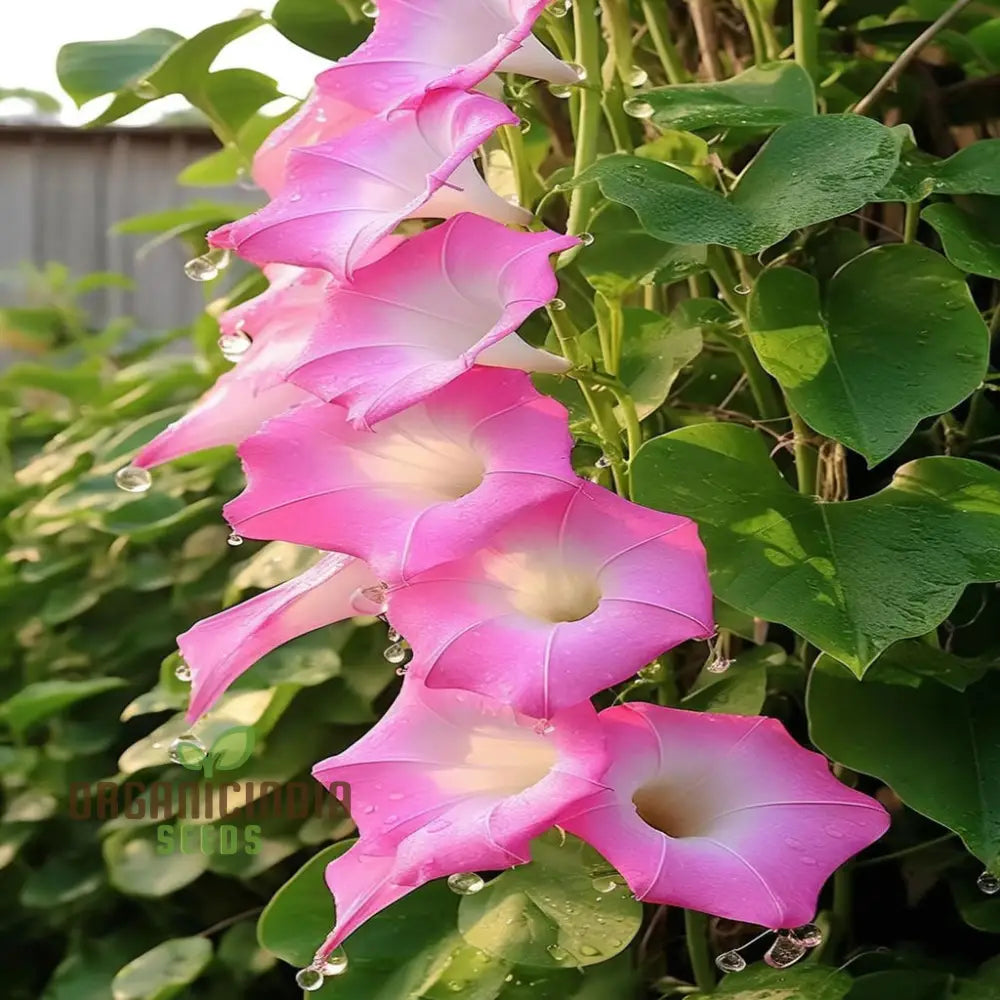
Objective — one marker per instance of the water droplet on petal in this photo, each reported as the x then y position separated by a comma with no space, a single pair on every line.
370,600
133,479
392,635
587,239
234,345
637,76
988,883
785,951
207,266
557,305
810,935
543,727
730,961
465,883
335,964
183,672
234,540
146,89
719,665
369,9
309,979
396,653
579,71
636,107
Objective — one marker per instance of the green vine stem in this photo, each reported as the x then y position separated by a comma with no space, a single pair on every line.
696,932
805,31
618,21
655,13
588,55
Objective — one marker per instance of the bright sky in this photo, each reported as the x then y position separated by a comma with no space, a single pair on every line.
31,39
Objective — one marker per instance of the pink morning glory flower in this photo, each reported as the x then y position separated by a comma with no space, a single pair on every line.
427,44
341,197
417,45
221,648
423,314
428,484
577,594
720,813
268,331
449,782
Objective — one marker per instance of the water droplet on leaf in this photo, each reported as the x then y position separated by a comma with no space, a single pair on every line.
637,76
988,883
146,89
587,239
604,884
636,107
559,954
187,750
557,305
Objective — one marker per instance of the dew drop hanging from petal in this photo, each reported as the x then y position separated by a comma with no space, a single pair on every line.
309,979
334,964
234,345
730,961
786,950
207,266
811,935
234,540
370,600
133,479
465,883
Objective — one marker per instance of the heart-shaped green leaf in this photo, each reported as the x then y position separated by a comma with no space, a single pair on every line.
321,26
762,97
809,171
973,170
820,568
804,982
568,907
867,375
164,971
971,240
881,728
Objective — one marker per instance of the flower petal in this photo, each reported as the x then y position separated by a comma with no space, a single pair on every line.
720,813
423,314
420,45
429,484
577,594
450,781
221,648
344,195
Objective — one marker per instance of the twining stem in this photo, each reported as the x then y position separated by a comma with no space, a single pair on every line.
696,932
619,24
907,56
600,406
761,387
805,32
806,456
655,13
588,55
513,144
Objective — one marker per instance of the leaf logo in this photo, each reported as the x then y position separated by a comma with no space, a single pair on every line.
232,749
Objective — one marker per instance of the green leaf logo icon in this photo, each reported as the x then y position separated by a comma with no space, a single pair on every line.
231,749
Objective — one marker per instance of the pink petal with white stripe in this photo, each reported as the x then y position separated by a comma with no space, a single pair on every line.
577,594
341,197
449,782
425,313
221,648
431,483
419,45
721,813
